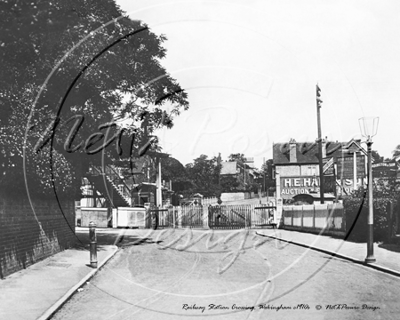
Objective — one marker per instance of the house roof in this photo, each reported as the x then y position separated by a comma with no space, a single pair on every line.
307,152
354,145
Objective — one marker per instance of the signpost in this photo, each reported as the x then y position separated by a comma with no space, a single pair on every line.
328,166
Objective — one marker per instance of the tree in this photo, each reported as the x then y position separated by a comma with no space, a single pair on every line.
229,183
239,157
75,74
396,153
267,169
173,170
204,175
267,179
376,157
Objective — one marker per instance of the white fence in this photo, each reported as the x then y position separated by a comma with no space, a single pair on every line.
208,201
328,218
232,196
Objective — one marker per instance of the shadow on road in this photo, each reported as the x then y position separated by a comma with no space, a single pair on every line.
106,237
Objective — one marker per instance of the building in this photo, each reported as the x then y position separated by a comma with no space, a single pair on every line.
296,165
243,173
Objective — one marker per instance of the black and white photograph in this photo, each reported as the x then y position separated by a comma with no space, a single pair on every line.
199,159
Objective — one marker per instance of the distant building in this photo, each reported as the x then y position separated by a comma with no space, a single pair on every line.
298,166
244,173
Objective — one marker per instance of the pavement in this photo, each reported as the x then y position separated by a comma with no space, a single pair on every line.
40,290
387,255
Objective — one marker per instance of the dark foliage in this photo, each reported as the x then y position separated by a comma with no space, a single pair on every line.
68,63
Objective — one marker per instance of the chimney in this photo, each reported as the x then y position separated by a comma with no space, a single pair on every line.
292,150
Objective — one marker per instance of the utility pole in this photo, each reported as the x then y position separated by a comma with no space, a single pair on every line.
334,181
219,168
264,173
321,173
219,201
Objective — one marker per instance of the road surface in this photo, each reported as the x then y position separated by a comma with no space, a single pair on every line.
195,274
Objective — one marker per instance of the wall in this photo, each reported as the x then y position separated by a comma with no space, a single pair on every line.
130,217
229,167
235,196
325,218
297,170
99,216
25,239
288,170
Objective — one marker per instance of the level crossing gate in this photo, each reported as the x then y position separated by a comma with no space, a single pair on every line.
229,217
214,217
192,217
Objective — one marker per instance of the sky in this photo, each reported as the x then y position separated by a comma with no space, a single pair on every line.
250,69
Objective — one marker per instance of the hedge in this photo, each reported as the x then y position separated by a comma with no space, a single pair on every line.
359,231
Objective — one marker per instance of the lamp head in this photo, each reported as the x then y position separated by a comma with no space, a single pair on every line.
368,127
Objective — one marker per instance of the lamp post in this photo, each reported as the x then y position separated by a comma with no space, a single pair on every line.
369,128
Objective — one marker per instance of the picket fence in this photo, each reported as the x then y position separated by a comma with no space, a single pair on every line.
209,201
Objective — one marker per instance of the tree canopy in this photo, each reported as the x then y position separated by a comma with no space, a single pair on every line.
204,175
396,153
239,157
74,74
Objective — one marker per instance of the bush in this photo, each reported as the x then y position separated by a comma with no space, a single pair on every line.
355,206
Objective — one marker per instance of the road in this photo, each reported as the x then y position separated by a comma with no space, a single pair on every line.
192,274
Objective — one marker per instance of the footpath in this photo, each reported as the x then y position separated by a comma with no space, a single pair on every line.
40,290
387,255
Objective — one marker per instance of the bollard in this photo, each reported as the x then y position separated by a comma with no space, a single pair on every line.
93,244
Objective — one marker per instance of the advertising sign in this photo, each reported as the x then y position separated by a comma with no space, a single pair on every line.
291,186
328,166
345,167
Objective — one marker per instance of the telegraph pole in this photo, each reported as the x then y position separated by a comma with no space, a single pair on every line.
321,173
264,173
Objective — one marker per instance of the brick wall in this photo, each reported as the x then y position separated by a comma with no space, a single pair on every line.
26,239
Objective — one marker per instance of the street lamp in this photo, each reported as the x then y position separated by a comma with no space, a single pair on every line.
369,128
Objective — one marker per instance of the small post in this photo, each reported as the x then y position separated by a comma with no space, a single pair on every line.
173,216
93,244
390,220
154,219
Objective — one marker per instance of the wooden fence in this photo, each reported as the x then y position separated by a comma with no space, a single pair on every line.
325,218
